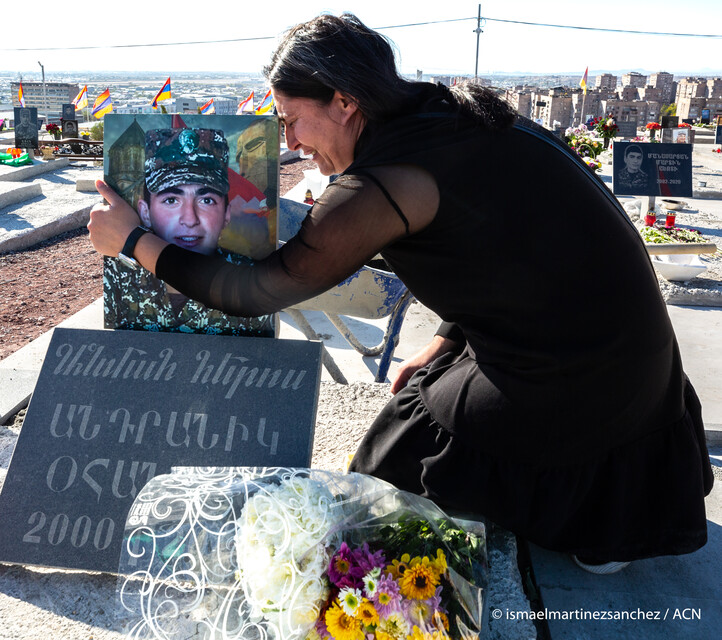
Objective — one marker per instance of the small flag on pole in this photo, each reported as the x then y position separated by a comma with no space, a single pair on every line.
208,107
245,106
583,81
103,104
21,96
81,100
266,104
163,94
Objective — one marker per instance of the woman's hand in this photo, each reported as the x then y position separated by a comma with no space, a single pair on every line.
437,347
111,224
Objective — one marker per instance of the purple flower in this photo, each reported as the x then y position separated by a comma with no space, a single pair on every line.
367,561
387,596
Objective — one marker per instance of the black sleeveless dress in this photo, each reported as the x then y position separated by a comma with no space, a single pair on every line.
565,416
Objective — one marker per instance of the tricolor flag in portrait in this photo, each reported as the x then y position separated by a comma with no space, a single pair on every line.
245,106
103,104
208,107
583,81
266,105
163,94
81,100
21,96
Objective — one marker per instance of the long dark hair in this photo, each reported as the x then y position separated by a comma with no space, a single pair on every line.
330,53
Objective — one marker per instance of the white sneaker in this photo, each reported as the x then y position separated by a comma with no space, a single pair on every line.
601,569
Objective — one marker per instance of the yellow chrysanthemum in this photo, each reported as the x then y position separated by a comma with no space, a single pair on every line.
441,620
418,634
381,635
439,563
341,626
367,613
419,582
397,568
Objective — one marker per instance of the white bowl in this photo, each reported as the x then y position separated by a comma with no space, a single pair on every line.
674,205
678,268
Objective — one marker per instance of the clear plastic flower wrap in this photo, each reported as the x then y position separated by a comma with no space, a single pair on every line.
296,554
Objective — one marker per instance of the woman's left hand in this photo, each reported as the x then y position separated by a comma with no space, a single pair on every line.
111,224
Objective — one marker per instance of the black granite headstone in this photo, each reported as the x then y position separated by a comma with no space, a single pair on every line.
718,134
70,128
627,129
669,122
69,112
112,409
26,127
652,169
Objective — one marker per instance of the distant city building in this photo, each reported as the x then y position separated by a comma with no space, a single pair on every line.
585,106
225,106
691,108
185,105
639,111
691,88
629,93
664,81
634,79
653,94
714,88
52,99
554,106
606,82
520,100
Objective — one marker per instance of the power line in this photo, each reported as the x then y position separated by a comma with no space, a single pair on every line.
395,26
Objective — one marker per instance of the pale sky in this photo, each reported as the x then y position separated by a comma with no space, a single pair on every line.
434,48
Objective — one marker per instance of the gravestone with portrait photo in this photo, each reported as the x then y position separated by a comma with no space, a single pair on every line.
68,111
112,409
652,169
26,127
70,128
227,169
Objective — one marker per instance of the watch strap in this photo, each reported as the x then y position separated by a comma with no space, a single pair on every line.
132,240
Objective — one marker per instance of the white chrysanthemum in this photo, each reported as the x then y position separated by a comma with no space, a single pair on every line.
283,552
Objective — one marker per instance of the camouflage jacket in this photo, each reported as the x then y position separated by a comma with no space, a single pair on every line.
136,299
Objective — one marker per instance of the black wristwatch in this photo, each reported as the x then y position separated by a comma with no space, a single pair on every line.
126,253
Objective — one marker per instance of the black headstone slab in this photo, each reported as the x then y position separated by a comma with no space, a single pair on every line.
718,134
665,169
627,129
112,409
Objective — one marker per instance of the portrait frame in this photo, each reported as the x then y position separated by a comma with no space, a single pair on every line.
134,298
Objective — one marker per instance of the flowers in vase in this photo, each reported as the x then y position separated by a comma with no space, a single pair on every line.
606,127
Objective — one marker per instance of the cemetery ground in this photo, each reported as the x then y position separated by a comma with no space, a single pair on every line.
41,285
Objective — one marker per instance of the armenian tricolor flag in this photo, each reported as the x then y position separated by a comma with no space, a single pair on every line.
21,96
583,81
266,105
81,100
245,106
163,94
103,104
208,107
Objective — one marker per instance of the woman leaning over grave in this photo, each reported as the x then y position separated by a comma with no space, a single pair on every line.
552,399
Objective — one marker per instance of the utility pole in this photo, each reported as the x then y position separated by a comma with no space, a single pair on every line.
45,104
478,31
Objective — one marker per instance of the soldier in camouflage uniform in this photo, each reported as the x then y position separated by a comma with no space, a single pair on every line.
185,202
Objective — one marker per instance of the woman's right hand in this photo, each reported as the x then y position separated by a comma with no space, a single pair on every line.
110,224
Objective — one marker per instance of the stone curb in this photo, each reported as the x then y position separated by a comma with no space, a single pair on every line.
68,222
18,174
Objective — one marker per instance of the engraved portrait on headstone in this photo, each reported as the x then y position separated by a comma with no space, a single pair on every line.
68,112
26,127
70,128
188,189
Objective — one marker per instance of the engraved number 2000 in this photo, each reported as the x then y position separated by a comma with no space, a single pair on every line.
79,533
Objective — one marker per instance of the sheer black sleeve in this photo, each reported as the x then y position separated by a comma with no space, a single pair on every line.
348,225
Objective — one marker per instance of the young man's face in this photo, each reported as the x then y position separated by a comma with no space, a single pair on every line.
191,216
634,161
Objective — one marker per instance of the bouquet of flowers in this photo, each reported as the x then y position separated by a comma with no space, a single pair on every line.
653,126
606,127
593,164
297,554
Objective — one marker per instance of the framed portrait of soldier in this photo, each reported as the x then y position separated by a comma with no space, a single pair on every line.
26,127
206,183
68,112
70,128
652,169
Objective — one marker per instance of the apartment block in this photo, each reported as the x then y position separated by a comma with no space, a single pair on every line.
714,88
664,81
634,79
553,108
691,88
49,99
606,82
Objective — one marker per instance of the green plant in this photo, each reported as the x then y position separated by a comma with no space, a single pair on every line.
668,110
96,131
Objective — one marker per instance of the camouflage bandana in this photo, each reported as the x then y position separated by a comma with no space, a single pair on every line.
175,157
